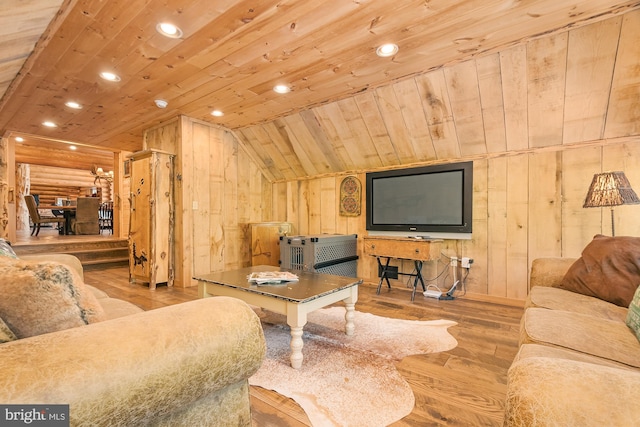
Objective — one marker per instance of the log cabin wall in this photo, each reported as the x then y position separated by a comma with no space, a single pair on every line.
52,182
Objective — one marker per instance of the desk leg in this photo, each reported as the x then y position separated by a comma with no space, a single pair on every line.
67,222
383,276
418,265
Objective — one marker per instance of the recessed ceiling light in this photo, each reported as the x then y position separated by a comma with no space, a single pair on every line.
49,124
217,113
282,89
74,105
169,30
161,103
19,139
388,49
112,77
72,147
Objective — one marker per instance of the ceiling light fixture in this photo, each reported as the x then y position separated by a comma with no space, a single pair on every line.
49,124
217,113
73,147
169,30
74,105
112,77
19,139
161,103
281,89
387,49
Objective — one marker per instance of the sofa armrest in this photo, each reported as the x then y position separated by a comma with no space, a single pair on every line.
66,259
549,271
137,369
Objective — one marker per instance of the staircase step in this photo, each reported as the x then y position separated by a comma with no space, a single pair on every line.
89,253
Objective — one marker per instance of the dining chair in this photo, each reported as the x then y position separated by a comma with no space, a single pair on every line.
38,220
86,219
106,216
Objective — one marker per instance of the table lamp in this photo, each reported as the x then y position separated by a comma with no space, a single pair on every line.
609,189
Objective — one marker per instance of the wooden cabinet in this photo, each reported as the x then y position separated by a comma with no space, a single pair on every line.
151,219
265,242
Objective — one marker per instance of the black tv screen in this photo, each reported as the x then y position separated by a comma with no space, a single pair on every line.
424,199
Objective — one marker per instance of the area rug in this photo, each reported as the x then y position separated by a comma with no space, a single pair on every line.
348,381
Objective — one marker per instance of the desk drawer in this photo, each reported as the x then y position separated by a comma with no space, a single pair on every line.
421,250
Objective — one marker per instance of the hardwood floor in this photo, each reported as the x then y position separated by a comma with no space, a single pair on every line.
462,387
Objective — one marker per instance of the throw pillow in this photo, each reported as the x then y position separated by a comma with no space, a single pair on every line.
6,334
633,315
42,297
609,269
6,250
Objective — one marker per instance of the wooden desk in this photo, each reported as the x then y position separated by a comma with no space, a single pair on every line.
416,250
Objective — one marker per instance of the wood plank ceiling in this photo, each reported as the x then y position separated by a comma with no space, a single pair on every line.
345,106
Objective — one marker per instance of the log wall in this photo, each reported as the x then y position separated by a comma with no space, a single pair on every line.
53,182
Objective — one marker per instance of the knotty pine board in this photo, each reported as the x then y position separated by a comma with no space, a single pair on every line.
546,68
624,103
591,56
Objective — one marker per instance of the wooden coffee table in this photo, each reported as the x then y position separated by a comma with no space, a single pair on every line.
312,291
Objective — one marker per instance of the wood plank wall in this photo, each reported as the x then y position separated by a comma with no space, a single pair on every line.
537,120
219,192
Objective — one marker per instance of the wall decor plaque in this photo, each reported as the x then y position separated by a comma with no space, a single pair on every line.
350,196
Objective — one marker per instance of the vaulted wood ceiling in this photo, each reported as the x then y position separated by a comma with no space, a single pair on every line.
345,107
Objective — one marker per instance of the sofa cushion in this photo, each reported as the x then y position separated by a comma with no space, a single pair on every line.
560,299
42,297
6,334
598,337
609,269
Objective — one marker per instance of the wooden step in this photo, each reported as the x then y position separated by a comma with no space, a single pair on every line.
102,251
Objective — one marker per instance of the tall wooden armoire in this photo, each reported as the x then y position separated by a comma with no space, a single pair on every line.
151,257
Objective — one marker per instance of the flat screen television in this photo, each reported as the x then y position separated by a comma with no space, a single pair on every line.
424,199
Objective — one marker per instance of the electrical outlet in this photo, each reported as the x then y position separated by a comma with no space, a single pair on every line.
466,262
454,261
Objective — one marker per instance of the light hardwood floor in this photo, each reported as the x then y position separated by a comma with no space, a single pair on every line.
462,387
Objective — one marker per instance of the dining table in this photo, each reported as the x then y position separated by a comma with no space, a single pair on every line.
68,212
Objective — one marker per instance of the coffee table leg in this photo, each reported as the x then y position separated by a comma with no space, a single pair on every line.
296,319
296,347
349,316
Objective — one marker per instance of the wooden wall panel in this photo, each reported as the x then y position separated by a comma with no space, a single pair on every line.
546,68
497,243
624,103
579,225
591,56
513,67
526,206
545,196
